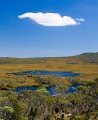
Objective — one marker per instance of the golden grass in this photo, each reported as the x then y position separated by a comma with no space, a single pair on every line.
88,71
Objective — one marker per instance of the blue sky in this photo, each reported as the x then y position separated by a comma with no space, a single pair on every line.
23,37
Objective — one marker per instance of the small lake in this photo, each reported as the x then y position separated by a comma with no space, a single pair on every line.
51,89
54,73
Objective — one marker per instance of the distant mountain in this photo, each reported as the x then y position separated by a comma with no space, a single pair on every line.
84,58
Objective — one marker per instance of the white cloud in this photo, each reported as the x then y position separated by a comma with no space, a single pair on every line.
80,19
51,19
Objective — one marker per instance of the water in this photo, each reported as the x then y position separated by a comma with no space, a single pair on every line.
19,89
51,89
73,88
54,73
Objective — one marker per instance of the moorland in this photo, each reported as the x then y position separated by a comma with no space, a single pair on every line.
39,104
85,64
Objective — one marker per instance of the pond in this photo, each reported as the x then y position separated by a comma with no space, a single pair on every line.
51,89
54,73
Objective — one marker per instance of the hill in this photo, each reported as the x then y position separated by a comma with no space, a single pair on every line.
84,57
88,57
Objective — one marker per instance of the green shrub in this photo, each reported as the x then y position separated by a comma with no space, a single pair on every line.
76,117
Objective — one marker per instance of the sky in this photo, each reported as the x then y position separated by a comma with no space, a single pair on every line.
48,28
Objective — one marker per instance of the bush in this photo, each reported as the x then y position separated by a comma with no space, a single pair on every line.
48,117
76,117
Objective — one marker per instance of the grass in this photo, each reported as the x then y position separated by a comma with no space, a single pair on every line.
78,64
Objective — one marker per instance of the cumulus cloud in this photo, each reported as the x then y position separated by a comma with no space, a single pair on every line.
51,19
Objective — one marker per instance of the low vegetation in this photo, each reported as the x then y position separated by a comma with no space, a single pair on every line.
88,70
39,104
